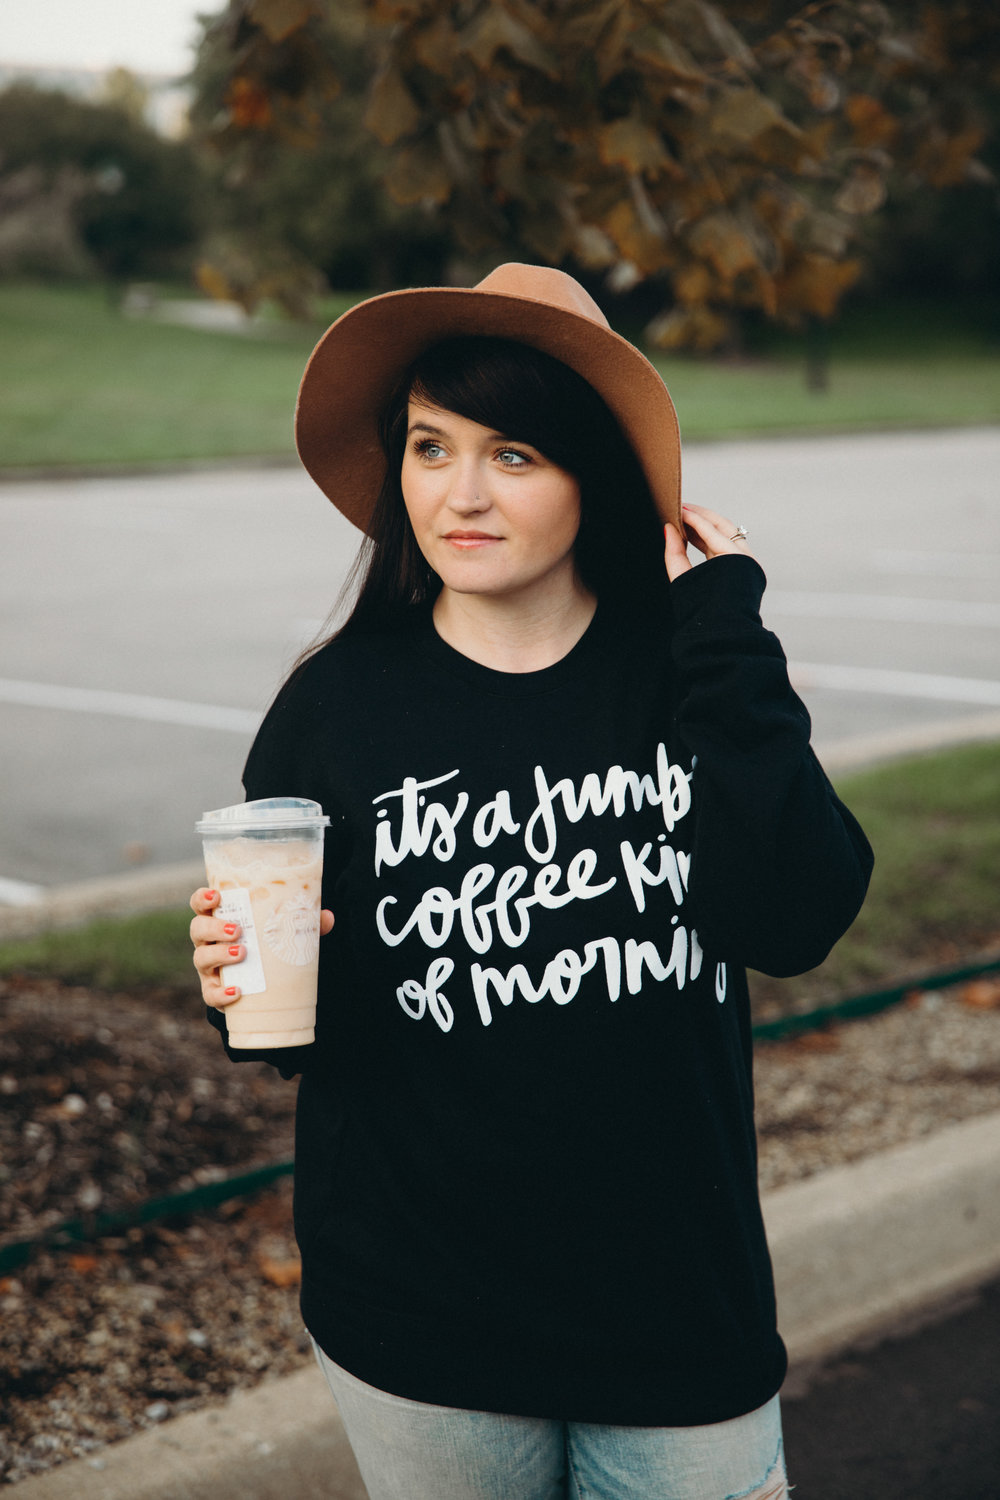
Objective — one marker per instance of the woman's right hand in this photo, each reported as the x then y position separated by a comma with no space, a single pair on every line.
217,943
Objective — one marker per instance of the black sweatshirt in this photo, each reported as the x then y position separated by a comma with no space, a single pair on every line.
525,1157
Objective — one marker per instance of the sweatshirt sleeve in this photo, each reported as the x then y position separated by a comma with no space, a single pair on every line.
779,867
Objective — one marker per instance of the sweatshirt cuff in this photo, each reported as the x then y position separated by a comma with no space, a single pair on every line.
287,1060
730,585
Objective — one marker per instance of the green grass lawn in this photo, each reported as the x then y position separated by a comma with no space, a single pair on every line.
905,364
933,901
769,397
82,384
932,821
151,951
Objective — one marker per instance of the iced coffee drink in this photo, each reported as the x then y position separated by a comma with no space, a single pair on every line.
266,861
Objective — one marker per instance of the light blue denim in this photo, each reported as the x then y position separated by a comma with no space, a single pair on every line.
408,1450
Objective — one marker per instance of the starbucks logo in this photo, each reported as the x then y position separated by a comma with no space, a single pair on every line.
292,931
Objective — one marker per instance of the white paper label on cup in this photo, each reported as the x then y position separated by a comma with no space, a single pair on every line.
236,906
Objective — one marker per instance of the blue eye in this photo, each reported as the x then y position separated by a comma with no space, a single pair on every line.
512,459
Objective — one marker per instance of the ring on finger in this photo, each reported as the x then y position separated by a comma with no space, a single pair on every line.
739,535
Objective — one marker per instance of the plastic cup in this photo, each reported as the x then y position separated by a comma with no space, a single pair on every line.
265,858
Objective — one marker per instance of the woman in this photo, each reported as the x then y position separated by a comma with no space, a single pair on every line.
571,795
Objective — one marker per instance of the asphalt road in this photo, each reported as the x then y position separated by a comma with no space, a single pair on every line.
146,621
914,1418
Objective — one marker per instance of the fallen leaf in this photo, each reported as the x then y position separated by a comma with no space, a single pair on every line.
175,1332
817,1041
283,1273
981,994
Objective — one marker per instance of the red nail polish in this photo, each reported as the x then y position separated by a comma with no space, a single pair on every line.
234,953
230,929
231,990
210,895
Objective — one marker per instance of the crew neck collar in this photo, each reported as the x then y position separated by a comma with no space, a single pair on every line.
514,684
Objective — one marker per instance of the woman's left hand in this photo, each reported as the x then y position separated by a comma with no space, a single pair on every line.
711,533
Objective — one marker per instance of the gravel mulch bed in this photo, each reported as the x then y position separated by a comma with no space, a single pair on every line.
107,1100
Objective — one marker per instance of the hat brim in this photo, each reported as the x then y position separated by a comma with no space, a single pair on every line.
360,359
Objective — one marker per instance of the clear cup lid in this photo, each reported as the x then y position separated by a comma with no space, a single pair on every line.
266,815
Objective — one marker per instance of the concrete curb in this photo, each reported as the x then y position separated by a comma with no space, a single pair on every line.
110,896
855,1250
864,750
283,1438
156,469
859,1248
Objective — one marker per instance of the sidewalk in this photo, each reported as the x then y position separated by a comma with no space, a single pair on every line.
855,1250
125,895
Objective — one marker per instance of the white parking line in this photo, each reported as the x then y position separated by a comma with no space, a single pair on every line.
928,562
129,706
806,675
823,606
19,892
243,721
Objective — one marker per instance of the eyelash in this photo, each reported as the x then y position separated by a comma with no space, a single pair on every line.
525,458
422,448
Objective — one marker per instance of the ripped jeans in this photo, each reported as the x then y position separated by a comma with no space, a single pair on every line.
407,1450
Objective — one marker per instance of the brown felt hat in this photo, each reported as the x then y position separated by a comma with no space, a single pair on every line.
360,359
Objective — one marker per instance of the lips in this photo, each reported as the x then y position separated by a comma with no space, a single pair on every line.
470,538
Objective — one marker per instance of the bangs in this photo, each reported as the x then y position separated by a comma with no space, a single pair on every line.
518,391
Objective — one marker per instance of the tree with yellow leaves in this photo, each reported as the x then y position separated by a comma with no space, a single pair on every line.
730,151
